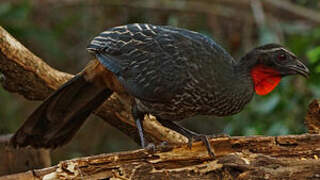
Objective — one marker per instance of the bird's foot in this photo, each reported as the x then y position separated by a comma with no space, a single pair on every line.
201,137
219,136
150,147
163,146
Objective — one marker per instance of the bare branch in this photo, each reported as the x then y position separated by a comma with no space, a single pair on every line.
26,73
287,9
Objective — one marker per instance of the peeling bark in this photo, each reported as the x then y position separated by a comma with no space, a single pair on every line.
312,120
257,157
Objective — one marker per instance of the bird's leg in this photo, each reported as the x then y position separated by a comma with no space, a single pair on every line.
192,136
138,117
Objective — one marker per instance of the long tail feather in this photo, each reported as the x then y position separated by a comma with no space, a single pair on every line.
61,115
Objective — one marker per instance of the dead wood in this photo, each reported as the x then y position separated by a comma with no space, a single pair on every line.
281,157
312,120
18,160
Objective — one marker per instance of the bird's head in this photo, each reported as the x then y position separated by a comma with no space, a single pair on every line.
270,63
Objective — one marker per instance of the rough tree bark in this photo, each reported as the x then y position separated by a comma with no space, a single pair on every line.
18,160
281,157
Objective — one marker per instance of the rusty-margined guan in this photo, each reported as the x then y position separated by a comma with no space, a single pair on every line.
168,72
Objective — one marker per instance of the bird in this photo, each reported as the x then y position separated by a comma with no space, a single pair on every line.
168,72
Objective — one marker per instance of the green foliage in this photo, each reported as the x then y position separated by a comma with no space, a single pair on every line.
314,56
8,112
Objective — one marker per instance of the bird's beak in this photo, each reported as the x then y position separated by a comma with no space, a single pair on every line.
299,68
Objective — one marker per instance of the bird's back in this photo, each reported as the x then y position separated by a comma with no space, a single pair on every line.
172,72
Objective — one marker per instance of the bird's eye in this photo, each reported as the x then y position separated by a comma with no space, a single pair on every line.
282,57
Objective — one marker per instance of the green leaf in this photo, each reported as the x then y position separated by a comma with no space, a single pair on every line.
278,129
317,69
268,104
314,55
5,8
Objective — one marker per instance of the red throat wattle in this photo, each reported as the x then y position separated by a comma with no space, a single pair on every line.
265,79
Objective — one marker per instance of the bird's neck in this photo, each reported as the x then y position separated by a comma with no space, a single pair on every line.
232,89
263,78
242,80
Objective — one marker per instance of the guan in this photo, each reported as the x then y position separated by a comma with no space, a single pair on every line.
168,72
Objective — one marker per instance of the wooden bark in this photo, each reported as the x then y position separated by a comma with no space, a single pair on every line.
312,120
281,157
18,160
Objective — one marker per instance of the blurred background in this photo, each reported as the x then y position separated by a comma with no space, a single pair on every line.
59,31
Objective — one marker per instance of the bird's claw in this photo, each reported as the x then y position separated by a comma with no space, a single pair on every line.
150,147
163,146
204,139
219,136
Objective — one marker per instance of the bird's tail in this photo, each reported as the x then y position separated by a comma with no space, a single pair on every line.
60,116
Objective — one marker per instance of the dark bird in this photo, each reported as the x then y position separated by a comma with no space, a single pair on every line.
168,72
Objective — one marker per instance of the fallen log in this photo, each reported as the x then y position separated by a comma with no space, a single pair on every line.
256,157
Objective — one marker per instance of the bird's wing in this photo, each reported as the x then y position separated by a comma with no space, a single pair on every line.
150,61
